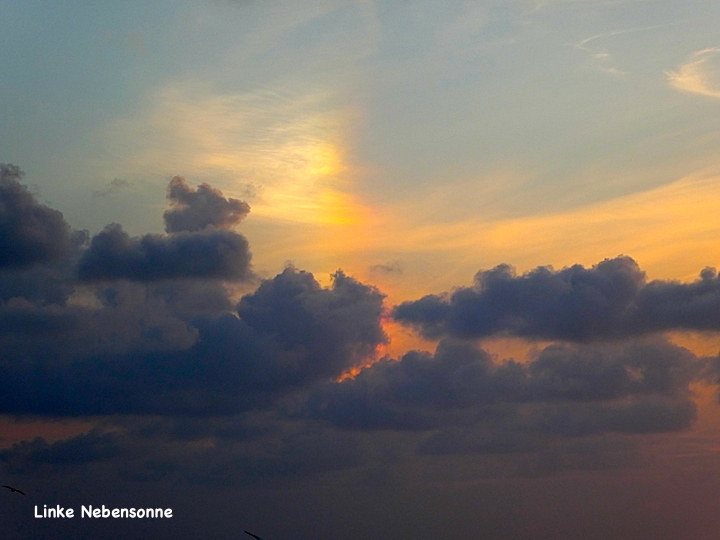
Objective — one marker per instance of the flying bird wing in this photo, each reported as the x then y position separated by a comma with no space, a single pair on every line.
251,534
14,490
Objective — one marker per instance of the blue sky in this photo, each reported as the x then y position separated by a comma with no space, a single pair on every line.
461,115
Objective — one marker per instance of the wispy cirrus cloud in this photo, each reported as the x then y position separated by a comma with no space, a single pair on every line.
698,75
600,56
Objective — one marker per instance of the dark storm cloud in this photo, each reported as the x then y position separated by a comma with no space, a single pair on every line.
611,300
194,210
136,355
566,390
211,254
30,232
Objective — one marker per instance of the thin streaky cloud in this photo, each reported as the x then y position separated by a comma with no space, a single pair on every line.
695,76
581,45
543,4
602,57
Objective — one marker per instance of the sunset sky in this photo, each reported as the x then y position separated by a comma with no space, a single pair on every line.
348,269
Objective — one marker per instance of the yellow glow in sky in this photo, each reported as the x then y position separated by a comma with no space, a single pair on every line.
671,231
285,152
291,156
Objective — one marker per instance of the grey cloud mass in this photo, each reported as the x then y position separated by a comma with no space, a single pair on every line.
151,328
197,246
84,448
139,355
41,284
211,254
343,322
194,210
634,387
611,300
30,232
144,337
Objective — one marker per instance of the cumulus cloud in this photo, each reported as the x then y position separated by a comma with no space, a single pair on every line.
611,300
194,210
570,390
30,232
211,254
145,325
289,333
342,323
108,320
141,334
197,247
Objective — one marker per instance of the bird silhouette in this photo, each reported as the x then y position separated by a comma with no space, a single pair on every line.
14,490
253,535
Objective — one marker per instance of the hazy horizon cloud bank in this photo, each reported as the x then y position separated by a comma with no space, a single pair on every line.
141,335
